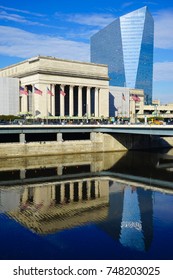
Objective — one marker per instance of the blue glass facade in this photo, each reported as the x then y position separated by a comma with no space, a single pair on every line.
126,46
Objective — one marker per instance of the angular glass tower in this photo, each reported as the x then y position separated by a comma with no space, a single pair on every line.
126,46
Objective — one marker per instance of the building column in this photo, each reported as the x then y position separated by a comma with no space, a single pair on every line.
89,189
80,190
22,137
50,99
23,102
71,103
62,193
88,110
53,193
132,110
33,101
53,100
62,102
60,170
59,137
79,101
24,196
71,191
47,101
96,189
96,109
22,174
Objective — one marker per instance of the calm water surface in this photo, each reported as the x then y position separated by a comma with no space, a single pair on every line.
95,206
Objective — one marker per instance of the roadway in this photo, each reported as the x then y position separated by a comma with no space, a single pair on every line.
161,130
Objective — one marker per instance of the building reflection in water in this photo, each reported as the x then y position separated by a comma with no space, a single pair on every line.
123,211
131,225
49,195
137,219
58,206
130,216
24,170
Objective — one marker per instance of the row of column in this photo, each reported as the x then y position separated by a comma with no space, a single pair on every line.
65,192
80,100
82,190
87,97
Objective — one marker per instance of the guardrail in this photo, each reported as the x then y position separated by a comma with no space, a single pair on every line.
166,130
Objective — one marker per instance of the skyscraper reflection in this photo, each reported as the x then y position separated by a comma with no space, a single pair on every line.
130,217
107,195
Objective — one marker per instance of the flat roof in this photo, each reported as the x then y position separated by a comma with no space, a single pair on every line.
39,57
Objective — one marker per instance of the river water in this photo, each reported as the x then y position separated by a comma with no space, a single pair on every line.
92,206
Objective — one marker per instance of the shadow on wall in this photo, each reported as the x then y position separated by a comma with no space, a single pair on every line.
112,108
141,142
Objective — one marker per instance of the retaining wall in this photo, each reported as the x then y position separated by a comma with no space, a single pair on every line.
98,142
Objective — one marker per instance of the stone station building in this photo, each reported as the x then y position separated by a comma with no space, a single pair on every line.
86,87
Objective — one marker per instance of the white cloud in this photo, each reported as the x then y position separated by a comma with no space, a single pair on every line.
20,11
163,30
13,17
19,43
100,20
163,24
20,19
83,34
127,4
163,71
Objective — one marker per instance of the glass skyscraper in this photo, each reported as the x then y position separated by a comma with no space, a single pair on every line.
126,46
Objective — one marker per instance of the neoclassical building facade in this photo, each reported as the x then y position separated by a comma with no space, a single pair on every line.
57,87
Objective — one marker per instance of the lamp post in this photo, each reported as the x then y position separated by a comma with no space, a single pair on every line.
156,110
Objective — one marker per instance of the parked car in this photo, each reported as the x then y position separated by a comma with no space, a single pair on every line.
19,121
156,121
169,122
4,122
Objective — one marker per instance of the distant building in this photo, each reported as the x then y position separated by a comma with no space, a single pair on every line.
159,111
57,87
9,96
126,46
125,102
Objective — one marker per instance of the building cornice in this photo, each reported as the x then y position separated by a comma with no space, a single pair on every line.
58,73
39,58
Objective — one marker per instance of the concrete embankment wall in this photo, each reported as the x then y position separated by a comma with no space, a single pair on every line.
98,142
97,161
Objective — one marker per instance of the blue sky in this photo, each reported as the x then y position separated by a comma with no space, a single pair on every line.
62,28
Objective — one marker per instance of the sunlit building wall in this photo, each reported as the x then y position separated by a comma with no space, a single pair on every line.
126,46
9,96
58,87
122,103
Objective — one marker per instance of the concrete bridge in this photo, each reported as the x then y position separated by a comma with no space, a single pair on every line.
73,139
161,130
